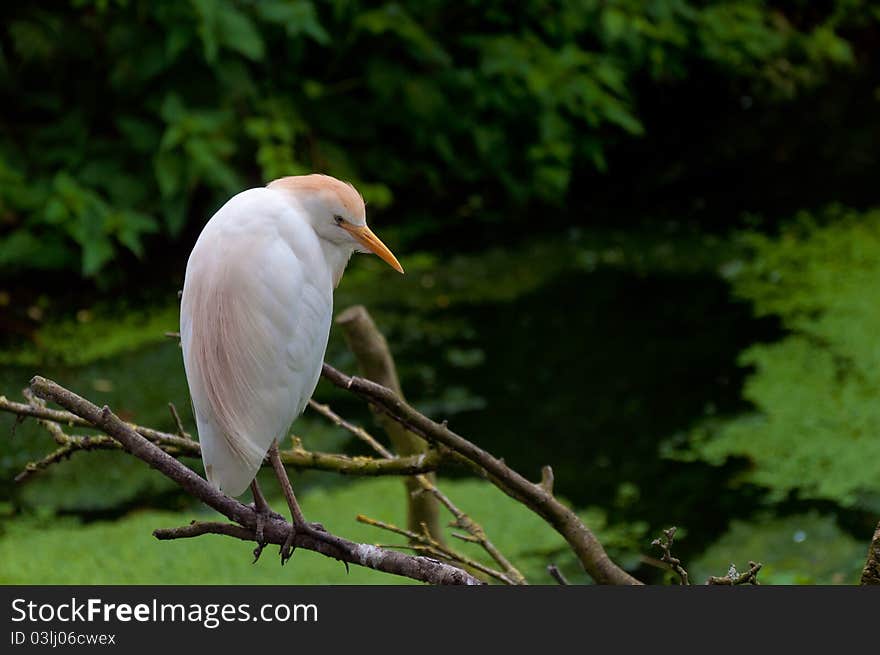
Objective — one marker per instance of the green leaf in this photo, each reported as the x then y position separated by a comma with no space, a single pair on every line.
221,24
297,16
95,253
168,169
23,250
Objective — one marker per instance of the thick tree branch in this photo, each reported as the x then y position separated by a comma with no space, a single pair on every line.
275,530
581,539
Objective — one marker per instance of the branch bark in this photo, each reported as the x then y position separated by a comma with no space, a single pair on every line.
871,572
664,543
297,458
734,578
427,484
274,530
535,496
370,348
425,542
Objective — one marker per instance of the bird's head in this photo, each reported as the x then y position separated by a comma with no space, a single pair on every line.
337,213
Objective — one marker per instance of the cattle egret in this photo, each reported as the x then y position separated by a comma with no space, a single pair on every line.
255,317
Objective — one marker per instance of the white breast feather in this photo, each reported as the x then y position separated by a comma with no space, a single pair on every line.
255,317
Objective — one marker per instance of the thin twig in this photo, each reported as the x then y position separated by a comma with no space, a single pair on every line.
665,545
174,415
556,574
356,430
425,543
734,578
474,529
32,468
297,458
67,444
426,485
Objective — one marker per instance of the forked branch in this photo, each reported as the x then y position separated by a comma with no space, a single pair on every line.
274,530
534,495
296,457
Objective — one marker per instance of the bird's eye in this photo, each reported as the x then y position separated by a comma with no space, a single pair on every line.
338,219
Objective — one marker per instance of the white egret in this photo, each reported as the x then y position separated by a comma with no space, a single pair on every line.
255,316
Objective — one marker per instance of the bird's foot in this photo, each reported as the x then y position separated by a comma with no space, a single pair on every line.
261,540
263,515
315,530
287,547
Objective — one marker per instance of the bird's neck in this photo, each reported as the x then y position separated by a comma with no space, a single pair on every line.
336,258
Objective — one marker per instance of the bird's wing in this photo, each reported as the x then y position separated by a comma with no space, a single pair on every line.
254,328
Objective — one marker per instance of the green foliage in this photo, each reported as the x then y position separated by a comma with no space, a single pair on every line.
815,428
130,119
124,551
92,334
802,549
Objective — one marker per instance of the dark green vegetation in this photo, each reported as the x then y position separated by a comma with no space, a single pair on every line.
639,238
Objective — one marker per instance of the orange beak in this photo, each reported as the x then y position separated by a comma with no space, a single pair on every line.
371,242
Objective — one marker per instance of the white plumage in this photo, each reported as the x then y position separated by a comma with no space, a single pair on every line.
256,310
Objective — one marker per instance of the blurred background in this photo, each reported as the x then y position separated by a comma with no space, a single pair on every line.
642,243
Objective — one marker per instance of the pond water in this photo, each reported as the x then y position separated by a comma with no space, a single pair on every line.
561,354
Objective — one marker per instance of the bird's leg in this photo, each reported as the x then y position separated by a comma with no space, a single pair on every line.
295,511
263,512
298,519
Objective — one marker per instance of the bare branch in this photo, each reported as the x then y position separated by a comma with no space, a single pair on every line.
68,444
426,484
370,348
174,415
72,420
665,544
535,496
547,479
425,543
475,530
297,458
32,468
275,530
582,540
356,430
556,574
198,528
734,578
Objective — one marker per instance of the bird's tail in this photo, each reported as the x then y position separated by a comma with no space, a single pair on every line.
228,470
